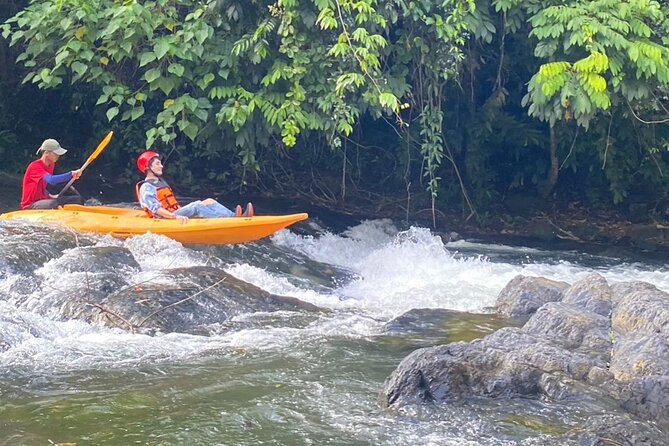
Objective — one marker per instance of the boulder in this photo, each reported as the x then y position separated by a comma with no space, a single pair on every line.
571,328
640,308
592,293
607,344
510,362
187,299
640,356
523,295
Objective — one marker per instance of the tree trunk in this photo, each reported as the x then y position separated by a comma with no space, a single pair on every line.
552,178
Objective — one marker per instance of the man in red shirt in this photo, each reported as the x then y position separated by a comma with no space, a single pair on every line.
40,173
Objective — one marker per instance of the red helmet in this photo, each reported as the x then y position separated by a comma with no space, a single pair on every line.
144,159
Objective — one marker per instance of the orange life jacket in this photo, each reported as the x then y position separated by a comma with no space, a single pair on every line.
164,194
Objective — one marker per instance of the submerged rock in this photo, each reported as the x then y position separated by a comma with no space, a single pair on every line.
444,325
425,327
79,278
614,429
190,298
18,327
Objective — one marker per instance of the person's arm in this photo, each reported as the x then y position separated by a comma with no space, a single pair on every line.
63,177
162,212
148,199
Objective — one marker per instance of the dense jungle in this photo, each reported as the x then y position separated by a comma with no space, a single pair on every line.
483,262
491,114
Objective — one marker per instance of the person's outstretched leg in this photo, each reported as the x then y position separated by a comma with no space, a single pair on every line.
198,209
217,208
191,210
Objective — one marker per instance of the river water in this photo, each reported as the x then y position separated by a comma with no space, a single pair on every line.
274,378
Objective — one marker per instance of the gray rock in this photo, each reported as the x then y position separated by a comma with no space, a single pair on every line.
614,429
648,397
438,325
571,328
510,362
95,259
606,346
640,308
640,355
94,272
523,295
196,297
591,293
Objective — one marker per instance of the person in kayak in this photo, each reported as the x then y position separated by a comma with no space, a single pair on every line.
39,174
155,196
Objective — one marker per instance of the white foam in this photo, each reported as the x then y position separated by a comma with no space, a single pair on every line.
344,250
281,286
157,252
394,273
414,269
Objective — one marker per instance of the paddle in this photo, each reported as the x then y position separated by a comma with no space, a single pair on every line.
90,159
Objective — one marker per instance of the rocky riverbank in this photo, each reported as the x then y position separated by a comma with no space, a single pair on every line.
588,341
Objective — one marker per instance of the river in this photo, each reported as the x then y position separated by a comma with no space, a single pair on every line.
271,378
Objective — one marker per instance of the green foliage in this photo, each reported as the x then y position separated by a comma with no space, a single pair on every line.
600,50
207,70
469,82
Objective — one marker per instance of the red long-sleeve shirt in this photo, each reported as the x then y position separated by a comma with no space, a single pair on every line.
34,184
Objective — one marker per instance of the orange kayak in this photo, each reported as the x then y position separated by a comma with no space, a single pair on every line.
122,222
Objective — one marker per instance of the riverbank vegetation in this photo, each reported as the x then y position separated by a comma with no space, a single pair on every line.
452,104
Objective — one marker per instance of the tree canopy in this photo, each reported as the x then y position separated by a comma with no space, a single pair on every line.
470,99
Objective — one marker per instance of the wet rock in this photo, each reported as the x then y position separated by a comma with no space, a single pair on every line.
17,257
640,308
592,293
639,356
640,365
599,376
81,299
447,237
608,344
648,397
509,362
614,429
77,280
188,298
17,327
523,295
571,328
297,268
429,326
28,247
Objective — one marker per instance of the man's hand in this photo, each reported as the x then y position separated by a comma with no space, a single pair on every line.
182,219
76,174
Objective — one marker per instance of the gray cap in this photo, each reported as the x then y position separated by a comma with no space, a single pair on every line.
51,145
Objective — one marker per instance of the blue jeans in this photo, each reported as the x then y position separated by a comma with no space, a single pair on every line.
197,209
